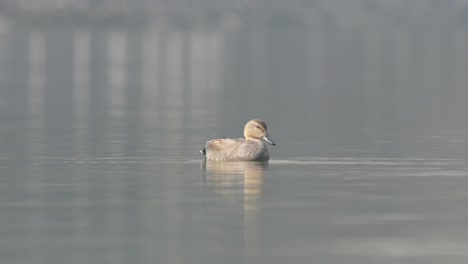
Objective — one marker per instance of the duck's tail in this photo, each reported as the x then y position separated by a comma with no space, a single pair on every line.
203,151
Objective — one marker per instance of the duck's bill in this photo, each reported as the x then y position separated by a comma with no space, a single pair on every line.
268,139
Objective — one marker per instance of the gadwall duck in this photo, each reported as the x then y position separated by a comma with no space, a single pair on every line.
251,148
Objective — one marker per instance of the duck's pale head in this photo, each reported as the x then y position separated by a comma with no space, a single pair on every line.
257,129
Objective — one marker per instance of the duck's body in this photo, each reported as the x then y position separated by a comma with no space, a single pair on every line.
252,148
238,149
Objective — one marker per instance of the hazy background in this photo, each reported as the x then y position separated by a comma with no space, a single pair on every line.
104,105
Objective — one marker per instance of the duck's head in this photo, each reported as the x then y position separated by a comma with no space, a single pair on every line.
257,129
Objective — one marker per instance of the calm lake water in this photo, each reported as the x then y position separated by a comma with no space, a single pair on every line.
101,131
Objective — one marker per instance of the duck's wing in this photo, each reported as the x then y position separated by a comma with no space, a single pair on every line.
222,144
223,148
211,145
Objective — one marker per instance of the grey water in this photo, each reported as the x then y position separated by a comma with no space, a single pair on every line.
101,127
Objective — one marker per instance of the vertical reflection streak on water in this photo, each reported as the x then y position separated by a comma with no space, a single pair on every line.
17,59
133,213
36,174
99,85
318,39
430,63
357,75
244,71
187,106
432,80
118,75
4,50
453,76
330,75
80,199
119,59
458,55
37,80
388,100
372,75
459,77
218,55
402,74
215,61
258,61
173,112
59,123
117,70
36,73
150,70
98,114
381,102
201,98
446,87
174,71
205,74
162,78
229,82
58,92
100,145
313,39
412,94
81,75
418,70
133,120
134,68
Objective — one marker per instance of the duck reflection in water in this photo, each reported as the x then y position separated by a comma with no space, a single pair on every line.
236,177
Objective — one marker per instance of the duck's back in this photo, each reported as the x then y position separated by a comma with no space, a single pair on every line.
239,149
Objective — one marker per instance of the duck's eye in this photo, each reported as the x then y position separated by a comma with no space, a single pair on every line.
257,126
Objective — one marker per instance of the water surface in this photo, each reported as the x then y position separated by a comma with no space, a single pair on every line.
101,132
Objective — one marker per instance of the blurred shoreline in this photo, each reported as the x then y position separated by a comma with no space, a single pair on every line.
202,13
